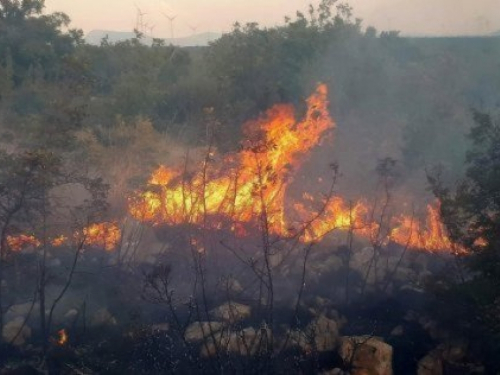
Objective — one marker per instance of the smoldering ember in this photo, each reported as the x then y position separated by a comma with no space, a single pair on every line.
316,197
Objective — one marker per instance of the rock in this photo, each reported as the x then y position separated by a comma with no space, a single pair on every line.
246,342
320,335
22,310
102,317
299,339
231,312
452,352
366,355
324,332
12,328
197,331
431,364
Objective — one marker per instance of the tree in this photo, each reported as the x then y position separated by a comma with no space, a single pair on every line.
33,38
471,212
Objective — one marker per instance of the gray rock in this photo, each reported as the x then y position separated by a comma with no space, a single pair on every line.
231,312
246,342
21,310
324,333
431,364
366,355
15,327
197,331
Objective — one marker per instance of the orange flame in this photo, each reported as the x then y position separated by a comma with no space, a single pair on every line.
432,237
247,185
63,337
59,241
104,235
21,241
249,188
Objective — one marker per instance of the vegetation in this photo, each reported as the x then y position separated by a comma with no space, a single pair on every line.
79,121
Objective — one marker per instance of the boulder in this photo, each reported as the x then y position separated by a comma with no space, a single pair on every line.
231,312
431,364
247,341
17,328
452,353
324,333
366,355
321,335
197,331
21,310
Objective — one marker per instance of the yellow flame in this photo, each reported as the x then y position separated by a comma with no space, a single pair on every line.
63,337
103,235
249,187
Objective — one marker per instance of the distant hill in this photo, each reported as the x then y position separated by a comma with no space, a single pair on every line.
202,39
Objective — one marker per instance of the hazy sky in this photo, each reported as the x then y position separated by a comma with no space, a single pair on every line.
429,17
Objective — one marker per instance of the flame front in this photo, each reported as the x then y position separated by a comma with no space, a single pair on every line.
19,242
104,235
246,185
432,236
249,188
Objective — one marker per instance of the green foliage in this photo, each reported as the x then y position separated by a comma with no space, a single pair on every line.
471,212
32,39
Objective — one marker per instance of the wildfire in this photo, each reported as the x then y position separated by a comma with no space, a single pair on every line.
249,187
19,242
63,337
59,241
334,214
408,231
105,235
246,185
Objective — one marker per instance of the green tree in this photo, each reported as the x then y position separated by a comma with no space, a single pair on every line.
471,212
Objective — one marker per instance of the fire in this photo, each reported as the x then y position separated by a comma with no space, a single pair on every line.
59,241
249,188
247,185
432,237
334,214
19,242
63,337
104,235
